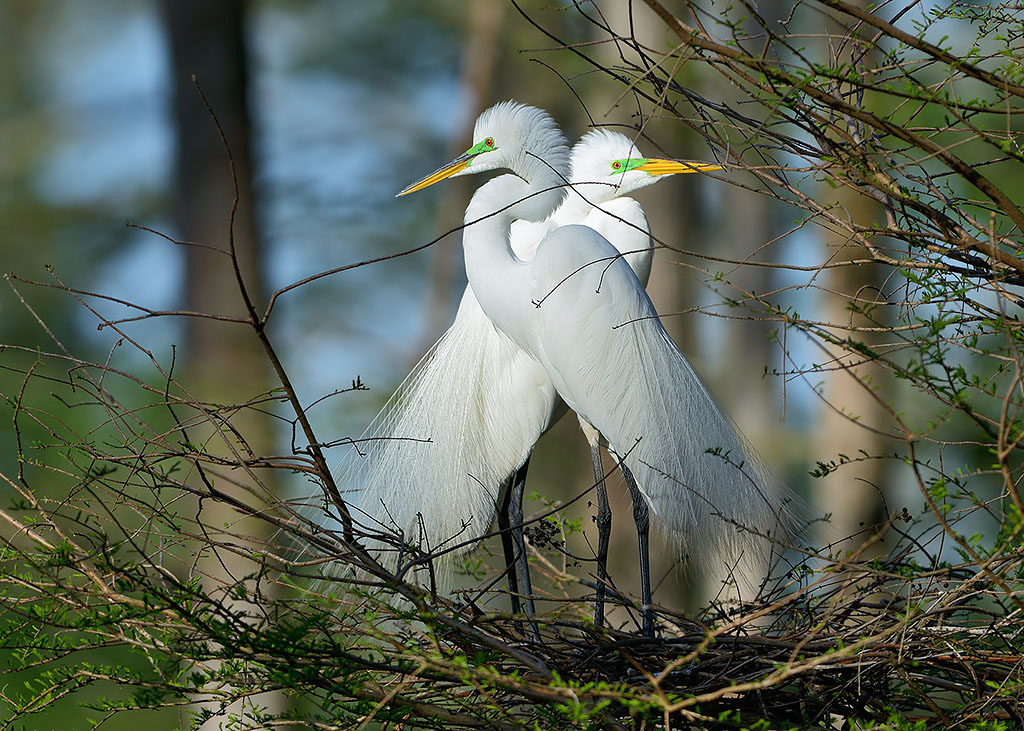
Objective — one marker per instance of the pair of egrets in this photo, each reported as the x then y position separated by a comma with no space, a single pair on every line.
556,315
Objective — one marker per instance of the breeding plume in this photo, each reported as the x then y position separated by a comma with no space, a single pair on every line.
579,312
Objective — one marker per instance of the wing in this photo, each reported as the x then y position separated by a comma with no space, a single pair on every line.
599,337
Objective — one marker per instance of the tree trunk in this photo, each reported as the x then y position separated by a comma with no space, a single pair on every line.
224,363
853,493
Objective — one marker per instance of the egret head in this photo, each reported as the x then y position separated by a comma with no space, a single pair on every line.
607,165
508,136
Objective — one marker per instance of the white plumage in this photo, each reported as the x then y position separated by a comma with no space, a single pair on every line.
581,313
469,414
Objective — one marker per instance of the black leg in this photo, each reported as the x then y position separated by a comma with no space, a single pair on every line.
604,530
642,519
507,545
515,518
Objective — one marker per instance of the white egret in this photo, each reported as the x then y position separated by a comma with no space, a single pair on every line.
579,311
605,167
481,402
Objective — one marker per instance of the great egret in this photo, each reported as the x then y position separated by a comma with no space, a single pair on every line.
581,313
481,402
605,167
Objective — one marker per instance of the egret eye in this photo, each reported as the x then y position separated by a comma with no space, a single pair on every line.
489,142
616,165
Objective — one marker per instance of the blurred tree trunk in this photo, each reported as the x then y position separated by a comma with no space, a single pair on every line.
224,362
853,493
207,41
746,223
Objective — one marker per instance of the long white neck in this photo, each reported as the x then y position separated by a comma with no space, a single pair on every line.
501,281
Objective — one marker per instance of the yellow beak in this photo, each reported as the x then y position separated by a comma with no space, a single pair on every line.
669,167
445,171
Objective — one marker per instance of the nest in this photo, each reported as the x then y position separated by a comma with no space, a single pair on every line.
843,645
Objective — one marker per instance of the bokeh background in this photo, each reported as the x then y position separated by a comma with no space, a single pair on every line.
330,108
347,103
